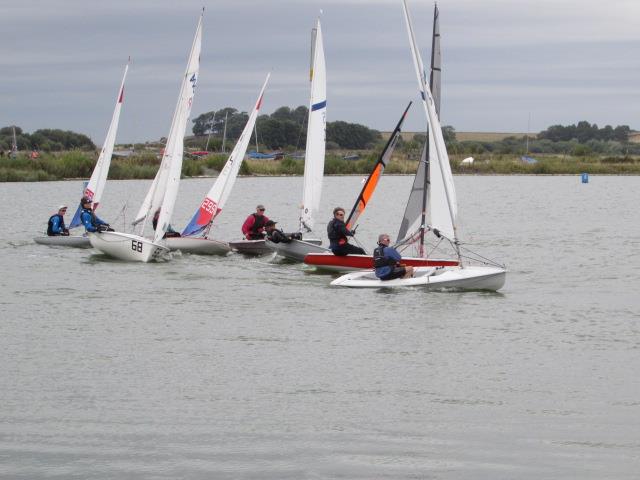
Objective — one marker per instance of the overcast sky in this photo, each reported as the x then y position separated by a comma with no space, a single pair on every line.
559,61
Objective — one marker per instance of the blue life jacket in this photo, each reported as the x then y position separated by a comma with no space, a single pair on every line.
55,227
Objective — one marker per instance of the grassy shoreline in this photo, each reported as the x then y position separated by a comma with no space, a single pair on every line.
74,165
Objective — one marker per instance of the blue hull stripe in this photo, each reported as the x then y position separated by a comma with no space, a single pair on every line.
318,106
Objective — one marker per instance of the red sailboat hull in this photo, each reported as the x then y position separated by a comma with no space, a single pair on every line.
328,261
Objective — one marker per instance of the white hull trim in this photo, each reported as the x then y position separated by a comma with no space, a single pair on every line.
128,247
76,241
297,249
443,278
197,245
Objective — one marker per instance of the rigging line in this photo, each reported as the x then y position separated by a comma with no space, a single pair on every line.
359,244
478,257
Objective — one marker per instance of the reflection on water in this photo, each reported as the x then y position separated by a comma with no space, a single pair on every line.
234,367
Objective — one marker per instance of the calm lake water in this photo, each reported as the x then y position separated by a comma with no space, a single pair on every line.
226,368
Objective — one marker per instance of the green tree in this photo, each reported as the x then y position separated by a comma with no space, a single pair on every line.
351,135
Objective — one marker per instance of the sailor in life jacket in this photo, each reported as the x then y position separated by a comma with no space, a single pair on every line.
338,232
276,235
386,261
56,226
253,226
170,233
89,219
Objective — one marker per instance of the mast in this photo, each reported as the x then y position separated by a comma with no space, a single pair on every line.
224,133
429,106
435,85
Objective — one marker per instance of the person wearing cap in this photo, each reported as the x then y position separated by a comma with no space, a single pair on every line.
89,219
278,236
253,226
338,232
56,226
387,261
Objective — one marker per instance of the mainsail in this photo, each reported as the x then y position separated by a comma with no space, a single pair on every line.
442,197
371,182
164,189
94,188
215,200
415,214
316,131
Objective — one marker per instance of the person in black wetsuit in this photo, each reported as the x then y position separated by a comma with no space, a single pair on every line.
56,226
278,236
338,232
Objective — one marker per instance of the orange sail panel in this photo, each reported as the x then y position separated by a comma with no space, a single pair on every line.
372,181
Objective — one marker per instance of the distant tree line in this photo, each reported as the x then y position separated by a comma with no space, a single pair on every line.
284,128
46,140
583,132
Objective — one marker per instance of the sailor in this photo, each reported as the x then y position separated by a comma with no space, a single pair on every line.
89,219
386,261
170,233
253,226
56,226
338,232
278,236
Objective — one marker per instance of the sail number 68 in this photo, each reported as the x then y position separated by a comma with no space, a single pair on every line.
136,246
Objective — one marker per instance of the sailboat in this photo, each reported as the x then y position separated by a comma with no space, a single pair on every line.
95,187
195,236
443,210
314,157
161,197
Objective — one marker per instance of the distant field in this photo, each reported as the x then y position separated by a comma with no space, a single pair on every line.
468,136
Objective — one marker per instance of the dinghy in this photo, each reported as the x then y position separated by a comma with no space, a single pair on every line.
94,188
314,158
164,189
195,236
328,261
442,212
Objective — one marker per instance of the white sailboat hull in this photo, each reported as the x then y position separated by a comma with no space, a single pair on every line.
250,247
297,249
197,245
76,241
128,247
454,278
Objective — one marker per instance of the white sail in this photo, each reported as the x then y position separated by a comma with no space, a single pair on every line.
316,132
215,200
98,179
166,192
438,153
